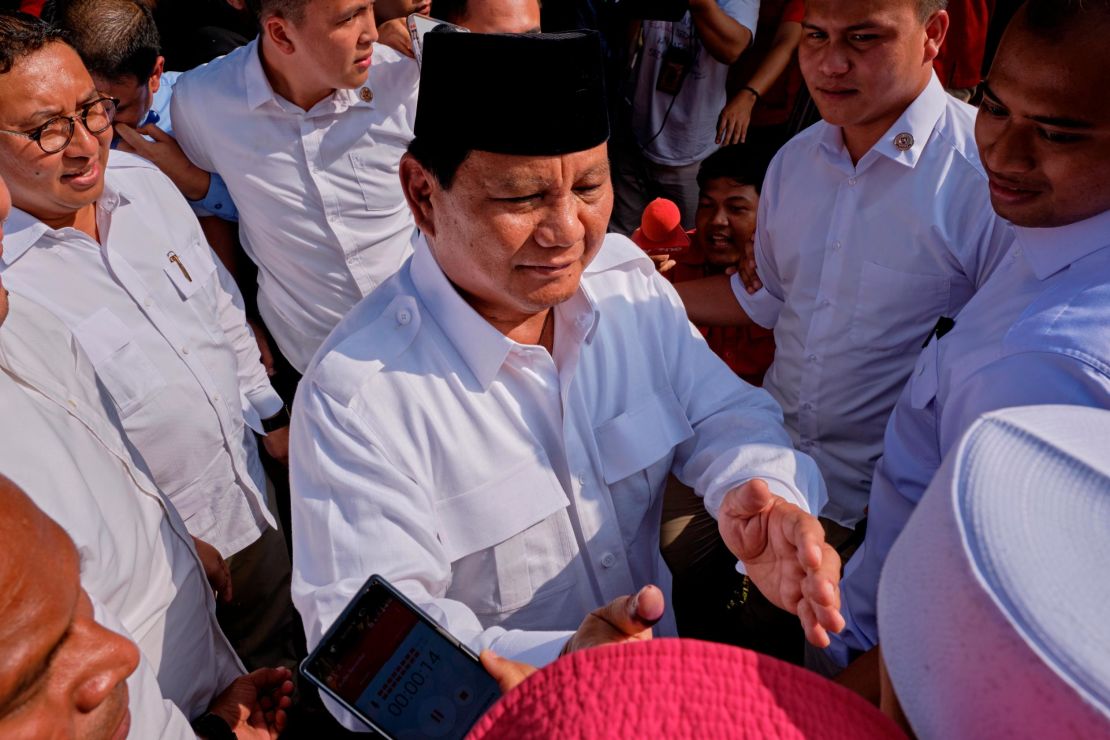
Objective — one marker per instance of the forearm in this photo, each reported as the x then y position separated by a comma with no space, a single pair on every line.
724,37
777,59
711,302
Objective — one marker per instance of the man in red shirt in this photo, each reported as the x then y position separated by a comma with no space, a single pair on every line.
728,182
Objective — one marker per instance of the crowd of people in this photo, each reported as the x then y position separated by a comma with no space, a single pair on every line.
591,324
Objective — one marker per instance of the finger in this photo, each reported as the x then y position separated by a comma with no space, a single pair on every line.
807,535
132,137
155,133
634,615
123,146
744,131
747,500
667,265
508,673
814,632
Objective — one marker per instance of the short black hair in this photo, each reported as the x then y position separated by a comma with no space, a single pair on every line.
926,8
293,10
744,163
440,158
1055,18
22,35
115,38
451,11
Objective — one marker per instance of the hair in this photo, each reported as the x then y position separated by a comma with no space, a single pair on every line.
22,35
439,158
115,38
451,11
1056,18
292,10
744,163
926,8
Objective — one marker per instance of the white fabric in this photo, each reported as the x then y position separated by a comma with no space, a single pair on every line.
152,715
60,443
174,352
858,263
687,135
993,602
506,491
1037,333
321,210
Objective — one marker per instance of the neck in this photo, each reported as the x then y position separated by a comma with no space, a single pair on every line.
535,329
281,69
83,220
858,140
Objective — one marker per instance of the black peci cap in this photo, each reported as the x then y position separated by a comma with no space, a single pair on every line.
529,94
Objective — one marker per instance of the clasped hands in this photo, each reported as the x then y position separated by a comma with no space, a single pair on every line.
784,551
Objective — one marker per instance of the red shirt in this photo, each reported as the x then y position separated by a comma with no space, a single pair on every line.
960,63
748,350
777,102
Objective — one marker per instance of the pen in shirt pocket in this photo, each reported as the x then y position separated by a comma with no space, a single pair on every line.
181,265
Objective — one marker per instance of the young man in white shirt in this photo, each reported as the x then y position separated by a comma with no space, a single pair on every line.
492,428
1038,332
873,224
307,125
115,252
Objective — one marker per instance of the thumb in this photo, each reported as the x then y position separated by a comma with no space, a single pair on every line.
130,135
508,673
155,133
747,500
632,615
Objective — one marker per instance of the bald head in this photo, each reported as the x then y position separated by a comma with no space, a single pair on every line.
490,16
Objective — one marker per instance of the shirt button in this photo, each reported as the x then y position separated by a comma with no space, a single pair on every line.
184,350
812,358
608,560
403,317
582,479
583,320
836,246
73,403
851,181
826,302
148,303
807,406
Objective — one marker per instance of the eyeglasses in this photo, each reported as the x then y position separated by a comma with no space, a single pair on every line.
55,135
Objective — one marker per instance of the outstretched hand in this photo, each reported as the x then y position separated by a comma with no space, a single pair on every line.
784,551
254,705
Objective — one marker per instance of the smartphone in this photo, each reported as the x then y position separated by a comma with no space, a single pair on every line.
420,25
393,667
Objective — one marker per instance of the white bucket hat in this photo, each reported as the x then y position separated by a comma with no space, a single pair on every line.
994,603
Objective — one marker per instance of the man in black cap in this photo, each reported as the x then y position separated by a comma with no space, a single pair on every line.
492,428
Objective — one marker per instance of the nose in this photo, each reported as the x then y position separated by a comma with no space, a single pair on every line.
833,60
106,659
720,217
83,143
369,33
1005,146
561,225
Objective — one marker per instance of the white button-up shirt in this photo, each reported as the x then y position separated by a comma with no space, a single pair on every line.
59,442
163,324
506,490
321,210
1037,333
858,263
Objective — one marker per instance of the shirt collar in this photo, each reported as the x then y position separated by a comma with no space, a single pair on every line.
260,91
482,347
905,140
1050,250
23,231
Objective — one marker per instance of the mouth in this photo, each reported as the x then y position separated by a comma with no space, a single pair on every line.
1008,191
364,62
555,270
83,178
124,726
422,9
720,240
837,93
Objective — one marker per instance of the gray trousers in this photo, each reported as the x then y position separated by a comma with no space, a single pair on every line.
637,181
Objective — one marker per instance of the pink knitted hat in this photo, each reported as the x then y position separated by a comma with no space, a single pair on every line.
679,689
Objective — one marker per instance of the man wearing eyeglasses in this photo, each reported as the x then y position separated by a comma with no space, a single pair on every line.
109,246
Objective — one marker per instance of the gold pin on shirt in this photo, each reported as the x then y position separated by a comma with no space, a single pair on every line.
366,94
181,265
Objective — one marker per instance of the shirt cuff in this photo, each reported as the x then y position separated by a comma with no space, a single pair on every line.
534,648
761,307
217,201
265,401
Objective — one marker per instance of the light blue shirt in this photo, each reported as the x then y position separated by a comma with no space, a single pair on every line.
1038,332
217,202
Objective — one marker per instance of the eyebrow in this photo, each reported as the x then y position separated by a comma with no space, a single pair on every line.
1055,121
866,25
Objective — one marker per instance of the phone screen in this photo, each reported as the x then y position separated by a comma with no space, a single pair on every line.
388,662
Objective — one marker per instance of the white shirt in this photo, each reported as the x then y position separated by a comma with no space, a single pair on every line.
507,491
681,130
172,349
858,263
61,445
1037,333
321,210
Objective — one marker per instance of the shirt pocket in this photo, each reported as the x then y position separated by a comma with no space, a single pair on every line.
190,269
379,183
637,450
121,365
895,310
485,534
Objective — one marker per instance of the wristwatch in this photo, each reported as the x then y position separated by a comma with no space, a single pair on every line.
277,421
213,727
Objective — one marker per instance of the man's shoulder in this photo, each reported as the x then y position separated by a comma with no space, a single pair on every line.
955,131
218,75
376,332
130,169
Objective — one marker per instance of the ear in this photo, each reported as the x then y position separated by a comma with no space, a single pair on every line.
418,185
276,30
155,81
936,28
